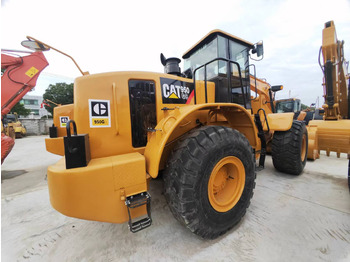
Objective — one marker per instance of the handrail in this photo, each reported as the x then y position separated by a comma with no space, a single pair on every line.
267,123
256,88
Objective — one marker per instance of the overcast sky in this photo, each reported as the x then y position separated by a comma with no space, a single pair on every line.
106,36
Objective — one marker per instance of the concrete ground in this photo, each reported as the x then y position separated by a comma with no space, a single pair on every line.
303,218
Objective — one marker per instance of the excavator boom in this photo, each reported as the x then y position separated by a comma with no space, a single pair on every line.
336,77
20,76
332,134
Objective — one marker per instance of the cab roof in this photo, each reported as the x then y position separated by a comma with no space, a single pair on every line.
210,36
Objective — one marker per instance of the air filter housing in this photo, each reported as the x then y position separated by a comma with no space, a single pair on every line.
171,65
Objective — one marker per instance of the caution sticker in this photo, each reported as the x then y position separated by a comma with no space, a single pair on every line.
63,121
32,72
100,113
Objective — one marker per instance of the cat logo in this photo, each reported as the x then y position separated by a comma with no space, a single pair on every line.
99,113
173,96
175,91
99,108
171,91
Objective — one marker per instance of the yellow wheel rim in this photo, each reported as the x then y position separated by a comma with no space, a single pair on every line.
226,184
303,149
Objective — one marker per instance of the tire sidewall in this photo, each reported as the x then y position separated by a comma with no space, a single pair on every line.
213,217
304,132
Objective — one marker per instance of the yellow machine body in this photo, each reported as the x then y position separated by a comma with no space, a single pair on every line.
332,134
117,169
97,192
262,99
121,165
336,86
265,99
14,127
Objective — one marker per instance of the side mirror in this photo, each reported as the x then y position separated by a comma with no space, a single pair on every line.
34,45
276,88
259,49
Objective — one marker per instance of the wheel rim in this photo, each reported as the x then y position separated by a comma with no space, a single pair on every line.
226,183
303,148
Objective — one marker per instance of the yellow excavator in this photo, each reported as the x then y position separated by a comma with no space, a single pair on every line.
332,134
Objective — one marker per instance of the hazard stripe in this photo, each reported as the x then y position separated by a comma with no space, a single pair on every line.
190,97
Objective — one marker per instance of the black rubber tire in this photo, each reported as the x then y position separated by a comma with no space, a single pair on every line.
187,175
287,147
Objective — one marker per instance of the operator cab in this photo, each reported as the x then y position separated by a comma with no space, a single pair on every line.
11,118
223,59
288,106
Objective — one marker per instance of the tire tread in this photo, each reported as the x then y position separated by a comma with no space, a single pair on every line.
182,176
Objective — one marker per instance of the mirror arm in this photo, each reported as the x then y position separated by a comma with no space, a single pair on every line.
33,39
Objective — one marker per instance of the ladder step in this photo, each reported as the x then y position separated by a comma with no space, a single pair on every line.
135,201
141,224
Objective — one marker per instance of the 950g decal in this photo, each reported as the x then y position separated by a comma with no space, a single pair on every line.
175,91
99,113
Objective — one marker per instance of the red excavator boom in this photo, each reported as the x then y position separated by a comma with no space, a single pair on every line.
20,76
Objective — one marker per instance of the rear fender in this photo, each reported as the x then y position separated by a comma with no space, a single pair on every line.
180,121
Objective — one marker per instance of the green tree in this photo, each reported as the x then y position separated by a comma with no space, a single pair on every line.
60,93
20,109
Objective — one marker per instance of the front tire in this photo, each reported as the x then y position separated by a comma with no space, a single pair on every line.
289,149
209,180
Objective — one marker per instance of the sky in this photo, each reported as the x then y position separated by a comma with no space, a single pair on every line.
106,36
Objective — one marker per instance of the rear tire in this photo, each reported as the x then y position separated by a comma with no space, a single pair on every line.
289,149
209,180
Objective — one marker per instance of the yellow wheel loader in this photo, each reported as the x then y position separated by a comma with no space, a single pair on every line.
287,156
201,127
13,122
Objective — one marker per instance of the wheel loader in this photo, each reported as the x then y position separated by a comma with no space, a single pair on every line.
285,157
200,127
12,122
294,105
